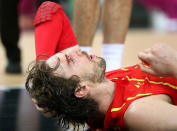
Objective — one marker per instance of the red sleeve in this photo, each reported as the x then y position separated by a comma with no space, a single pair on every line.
47,36
68,38
53,32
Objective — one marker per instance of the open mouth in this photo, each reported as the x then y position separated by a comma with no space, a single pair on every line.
92,56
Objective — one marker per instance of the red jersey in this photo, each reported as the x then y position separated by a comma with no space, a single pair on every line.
131,84
53,31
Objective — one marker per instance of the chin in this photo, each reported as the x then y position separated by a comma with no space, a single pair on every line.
103,64
102,69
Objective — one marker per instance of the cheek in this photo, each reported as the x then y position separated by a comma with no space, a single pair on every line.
86,66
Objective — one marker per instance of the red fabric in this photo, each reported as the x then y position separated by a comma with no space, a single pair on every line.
131,84
53,31
45,12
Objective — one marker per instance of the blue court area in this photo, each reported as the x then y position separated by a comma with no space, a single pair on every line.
17,113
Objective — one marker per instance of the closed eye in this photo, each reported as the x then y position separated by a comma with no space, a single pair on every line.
68,59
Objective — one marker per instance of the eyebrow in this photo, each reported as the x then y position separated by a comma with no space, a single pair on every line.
66,57
58,63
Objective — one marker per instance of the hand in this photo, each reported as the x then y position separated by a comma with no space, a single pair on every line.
161,58
42,110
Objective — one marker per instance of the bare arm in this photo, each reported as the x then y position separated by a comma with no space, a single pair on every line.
152,113
162,59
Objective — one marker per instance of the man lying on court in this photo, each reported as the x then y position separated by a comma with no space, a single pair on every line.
73,87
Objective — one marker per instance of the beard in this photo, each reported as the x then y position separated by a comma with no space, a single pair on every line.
99,68
98,74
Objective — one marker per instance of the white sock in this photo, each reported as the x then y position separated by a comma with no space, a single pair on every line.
112,53
86,49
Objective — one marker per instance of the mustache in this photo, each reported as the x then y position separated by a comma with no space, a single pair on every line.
86,54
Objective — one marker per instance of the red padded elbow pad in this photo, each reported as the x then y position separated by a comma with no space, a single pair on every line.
53,31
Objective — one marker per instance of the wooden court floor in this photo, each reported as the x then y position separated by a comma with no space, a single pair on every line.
136,41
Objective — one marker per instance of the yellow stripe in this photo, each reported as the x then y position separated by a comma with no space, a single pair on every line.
134,79
117,109
146,66
114,78
130,98
124,69
137,86
136,67
152,82
162,83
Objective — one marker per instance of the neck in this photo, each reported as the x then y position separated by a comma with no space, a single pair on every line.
103,94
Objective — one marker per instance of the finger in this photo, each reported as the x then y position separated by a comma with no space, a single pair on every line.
146,69
39,108
146,58
34,100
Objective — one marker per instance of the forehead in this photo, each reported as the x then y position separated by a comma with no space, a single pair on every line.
54,58
75,67
59,54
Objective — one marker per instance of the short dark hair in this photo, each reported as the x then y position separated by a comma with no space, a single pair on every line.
56,94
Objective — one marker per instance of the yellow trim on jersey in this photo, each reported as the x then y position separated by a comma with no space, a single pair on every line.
136,67
124,69
117,109
152,82
162,83
134,79
146,66
130,98
137,86
114,78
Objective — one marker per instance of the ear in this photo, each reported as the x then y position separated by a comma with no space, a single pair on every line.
81,91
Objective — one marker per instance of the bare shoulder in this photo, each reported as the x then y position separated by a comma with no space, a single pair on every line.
156,112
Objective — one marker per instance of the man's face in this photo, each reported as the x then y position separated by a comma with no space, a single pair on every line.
75,62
